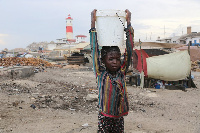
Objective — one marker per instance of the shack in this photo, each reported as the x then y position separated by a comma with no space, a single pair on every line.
160,63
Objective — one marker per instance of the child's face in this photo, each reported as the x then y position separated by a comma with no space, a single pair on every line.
112,61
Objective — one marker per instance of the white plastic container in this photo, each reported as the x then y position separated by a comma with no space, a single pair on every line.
110,30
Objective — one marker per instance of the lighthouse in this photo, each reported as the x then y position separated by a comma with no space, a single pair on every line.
69,29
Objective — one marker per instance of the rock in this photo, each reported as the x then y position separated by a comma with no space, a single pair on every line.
72,109
139,126
33,106
85,125
92,97
16,103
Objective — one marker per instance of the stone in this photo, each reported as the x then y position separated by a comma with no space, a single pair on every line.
92,97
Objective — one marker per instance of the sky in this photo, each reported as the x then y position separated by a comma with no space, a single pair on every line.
23,22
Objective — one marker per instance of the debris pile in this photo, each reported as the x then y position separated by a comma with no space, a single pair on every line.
57,95
195,66
11,61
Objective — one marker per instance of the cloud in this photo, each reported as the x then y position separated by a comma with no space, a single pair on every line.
27,21
3,35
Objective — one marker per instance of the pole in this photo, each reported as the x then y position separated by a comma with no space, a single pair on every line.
190,80
142,72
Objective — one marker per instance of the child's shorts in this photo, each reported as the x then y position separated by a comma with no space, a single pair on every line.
110,125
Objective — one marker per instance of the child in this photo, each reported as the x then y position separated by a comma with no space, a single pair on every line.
110,74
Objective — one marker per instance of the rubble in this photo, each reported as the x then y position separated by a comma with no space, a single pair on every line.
56,95
195,66
59,95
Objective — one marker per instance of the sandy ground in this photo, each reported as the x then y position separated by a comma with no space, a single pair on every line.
54,101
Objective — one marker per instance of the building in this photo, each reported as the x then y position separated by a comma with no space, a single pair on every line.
69,34
80,38
169,39
66,45
60,42
192,37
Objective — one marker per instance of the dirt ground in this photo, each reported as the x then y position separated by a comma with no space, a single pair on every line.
54,101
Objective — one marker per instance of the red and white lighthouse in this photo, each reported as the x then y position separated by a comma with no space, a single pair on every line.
69,28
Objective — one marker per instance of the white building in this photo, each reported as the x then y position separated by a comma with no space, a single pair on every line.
192,37
81,38
169,39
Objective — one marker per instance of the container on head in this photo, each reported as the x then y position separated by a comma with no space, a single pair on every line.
109,27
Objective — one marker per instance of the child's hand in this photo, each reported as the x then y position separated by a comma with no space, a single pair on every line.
93,18
128,17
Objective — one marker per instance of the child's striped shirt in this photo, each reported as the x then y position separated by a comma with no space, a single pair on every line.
113,97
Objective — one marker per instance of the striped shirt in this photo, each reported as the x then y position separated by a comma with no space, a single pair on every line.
113,97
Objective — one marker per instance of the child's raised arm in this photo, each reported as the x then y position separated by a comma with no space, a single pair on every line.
94,44
128,17
93,18
129,41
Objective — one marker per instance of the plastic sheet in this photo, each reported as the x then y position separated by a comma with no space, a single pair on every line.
169,67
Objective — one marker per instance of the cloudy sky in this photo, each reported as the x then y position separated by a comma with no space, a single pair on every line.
25,21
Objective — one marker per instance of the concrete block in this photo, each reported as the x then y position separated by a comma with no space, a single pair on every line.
17,72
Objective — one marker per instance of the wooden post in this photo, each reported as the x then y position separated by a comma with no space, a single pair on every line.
141,53
190,80
142,73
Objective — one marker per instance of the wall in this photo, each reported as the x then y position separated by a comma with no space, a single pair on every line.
196,41
193,41
80,39
174,39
